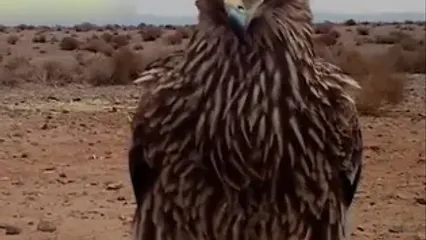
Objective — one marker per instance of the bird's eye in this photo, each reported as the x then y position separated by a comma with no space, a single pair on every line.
241,8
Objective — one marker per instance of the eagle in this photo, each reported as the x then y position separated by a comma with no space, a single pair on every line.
245,133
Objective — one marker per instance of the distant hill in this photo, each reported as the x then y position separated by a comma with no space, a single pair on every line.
135,19
318,17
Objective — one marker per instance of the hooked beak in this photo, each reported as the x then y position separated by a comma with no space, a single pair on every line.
240,14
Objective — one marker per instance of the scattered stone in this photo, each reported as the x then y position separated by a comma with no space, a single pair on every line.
396,229
52,98
114,186
421,201
11,229
46,226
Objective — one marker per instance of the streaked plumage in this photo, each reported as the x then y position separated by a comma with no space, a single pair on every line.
249,136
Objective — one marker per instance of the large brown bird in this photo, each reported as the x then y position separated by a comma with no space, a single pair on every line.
250,136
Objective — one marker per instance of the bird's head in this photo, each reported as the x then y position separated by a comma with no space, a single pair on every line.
240,13
257,18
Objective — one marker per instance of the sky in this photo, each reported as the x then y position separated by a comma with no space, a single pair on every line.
186,7
113,10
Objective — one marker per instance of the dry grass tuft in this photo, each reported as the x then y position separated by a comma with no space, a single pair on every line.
120,41
69,44
149,34
98,45
54,73
408,61
363,31
39,38
122,68
174,38
12,39
16,71
381,83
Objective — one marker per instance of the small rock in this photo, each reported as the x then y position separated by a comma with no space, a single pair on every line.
114,186
396,229
421,201
46,226
360,228
52,98
10,229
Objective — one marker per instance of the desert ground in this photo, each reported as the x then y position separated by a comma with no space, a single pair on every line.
66,94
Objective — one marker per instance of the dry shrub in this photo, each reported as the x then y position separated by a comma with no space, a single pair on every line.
54,40
138,47
69,44
85,27
394,37
381,84
323,28
150,33
120,41
54,73
408,43
363,31
184,32
363,40
408,61
16,71
3,28
12,39
326,39
107,37
39,38
173,39
98,45
350,22
122,68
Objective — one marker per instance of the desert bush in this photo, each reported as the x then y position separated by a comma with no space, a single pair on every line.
12,39
98,45
150,33
185,32
408,43
119,41
350,22
23,27
326,39
54,40
363,40
385,39
122,68
173,39
363,31
69,44
15,71
85,27
54,73
323,28
408,61
107,37
394,37
39,38
138,46
381,83
3,28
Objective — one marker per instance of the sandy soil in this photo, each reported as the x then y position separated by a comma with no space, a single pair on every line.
63,171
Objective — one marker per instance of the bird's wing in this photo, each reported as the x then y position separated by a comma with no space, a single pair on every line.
161,67
346,121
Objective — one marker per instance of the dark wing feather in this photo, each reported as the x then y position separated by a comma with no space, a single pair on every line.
347,122
143,176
